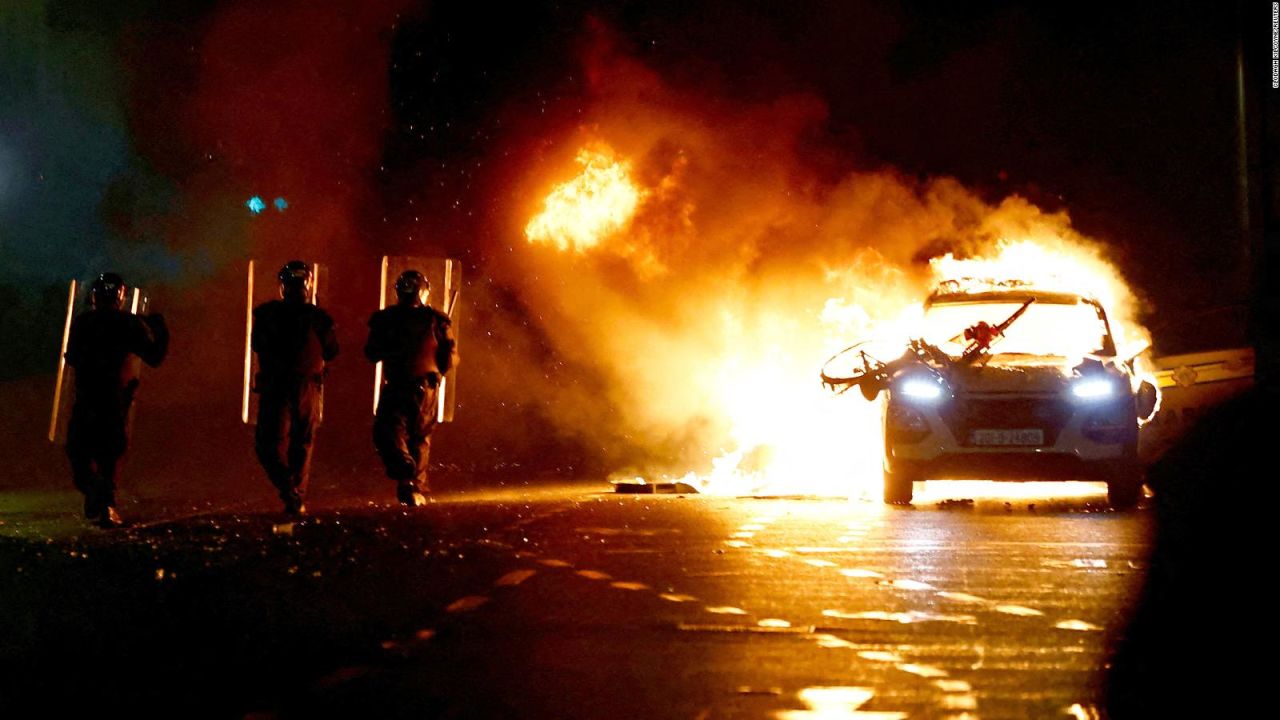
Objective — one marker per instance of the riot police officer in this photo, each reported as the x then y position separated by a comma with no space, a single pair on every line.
415,343
294,340
105,347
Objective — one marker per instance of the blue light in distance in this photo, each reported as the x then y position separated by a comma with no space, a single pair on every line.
255,205
281,204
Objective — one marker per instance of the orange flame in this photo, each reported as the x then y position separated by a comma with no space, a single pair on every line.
1051,264
599,202
742,351
705,300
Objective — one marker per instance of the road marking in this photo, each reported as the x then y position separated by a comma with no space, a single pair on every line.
725,610
953,698
860,573
704,627
982,544
880,656
634,551
831,702
963,597
924,671
1020,610
904,618
831,642
906,584
629,531
958,701
629,585
515,578
342,675
1077,625
953,686
466,604
1081,563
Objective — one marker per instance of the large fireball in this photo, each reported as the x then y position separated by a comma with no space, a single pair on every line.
703,276
579,213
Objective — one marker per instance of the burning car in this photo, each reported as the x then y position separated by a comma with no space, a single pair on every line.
1007,382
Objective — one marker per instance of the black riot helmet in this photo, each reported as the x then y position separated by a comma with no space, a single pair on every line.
295,281
412,288
107,292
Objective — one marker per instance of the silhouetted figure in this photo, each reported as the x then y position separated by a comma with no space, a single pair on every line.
1201,613
415,344
293,339
105,347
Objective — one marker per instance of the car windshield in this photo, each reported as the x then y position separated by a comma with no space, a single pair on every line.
1053,329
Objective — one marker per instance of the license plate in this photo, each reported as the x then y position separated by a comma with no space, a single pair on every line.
1029,436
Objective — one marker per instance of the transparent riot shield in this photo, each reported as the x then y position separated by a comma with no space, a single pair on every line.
445,276
261,286
136,302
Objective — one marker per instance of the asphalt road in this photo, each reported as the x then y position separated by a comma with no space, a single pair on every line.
569,601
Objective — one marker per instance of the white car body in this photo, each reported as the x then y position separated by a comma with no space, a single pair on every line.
1049,400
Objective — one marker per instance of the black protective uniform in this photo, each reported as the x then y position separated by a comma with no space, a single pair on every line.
106,348
416,346
293,340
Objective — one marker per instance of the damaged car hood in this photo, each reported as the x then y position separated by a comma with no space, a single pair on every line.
1047,375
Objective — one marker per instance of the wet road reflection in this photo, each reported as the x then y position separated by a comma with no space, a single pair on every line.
578,603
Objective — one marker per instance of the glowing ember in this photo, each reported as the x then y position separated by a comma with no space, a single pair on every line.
597,203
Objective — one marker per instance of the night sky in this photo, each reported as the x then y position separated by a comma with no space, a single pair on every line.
115,153
133,132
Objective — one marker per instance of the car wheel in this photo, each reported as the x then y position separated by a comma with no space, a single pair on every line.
899,487
1124,483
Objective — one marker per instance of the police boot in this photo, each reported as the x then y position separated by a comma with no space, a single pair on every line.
408,494
92,506
293,504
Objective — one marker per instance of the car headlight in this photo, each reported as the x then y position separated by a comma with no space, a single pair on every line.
920,389
1093,388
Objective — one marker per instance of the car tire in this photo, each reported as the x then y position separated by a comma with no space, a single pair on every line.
1124,482
899,487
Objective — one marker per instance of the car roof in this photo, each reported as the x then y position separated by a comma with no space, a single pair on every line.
1005,296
